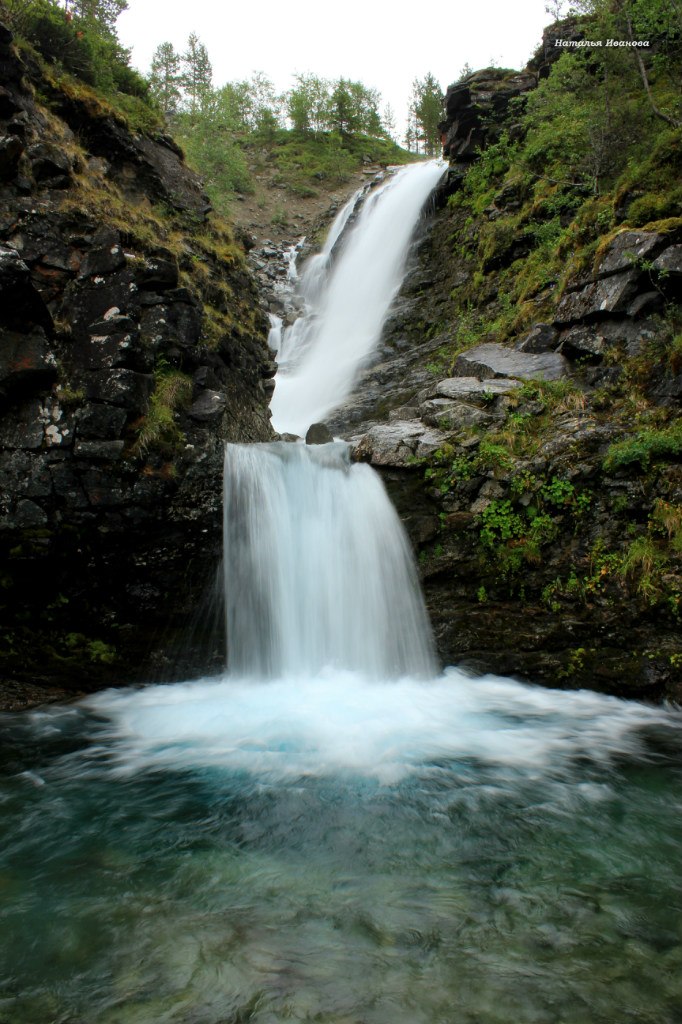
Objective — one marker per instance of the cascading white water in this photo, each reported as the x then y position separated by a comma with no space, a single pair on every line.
322,356
318,572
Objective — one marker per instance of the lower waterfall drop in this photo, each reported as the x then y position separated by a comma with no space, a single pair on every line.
318,571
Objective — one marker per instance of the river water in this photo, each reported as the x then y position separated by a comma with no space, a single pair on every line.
337,849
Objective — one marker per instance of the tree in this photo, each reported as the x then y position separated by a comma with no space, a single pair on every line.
165,79
307,103
426,110
101,12
353,108
388,122
659,21
197,76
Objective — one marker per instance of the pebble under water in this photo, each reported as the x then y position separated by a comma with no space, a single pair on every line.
459,851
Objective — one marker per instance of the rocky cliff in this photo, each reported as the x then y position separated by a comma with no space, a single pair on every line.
523,409
132,345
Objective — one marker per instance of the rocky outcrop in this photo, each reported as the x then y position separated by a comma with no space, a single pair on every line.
131,346
475,109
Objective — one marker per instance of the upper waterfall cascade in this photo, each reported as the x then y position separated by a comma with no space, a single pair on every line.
347,299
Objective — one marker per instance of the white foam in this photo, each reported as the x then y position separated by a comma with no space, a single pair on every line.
339,722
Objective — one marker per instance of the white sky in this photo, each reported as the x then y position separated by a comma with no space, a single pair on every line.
366,40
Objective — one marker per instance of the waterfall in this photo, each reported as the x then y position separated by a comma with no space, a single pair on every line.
320,358
318,572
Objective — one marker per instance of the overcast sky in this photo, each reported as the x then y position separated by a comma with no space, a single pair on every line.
381,44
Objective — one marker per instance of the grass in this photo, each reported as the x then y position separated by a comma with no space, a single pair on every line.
159,429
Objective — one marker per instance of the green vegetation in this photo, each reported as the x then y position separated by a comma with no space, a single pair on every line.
594,150
645,447
159,429
80,39
319,132
424,114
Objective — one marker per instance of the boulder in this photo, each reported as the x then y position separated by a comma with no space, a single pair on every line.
583,341
49,165
541,338
669,262
450,415
606,296
210,405
629,248
398,444
492,360
318,433
158,273
472,389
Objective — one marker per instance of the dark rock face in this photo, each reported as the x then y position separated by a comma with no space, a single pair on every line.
475,109
110,528
634,276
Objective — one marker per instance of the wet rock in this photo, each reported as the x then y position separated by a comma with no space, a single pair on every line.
62,447
21,306
96,298
67,486
541,338
209,406
118,349
24,429
49,165
104,422
110,451
125,388
493,360
106,255
28,515
318,433
103,489
158,273
26,362
11,149
177,324
610,295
